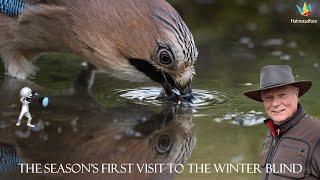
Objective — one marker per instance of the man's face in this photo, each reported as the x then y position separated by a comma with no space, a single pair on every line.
281,102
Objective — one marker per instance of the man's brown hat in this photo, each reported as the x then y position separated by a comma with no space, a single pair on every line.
272,76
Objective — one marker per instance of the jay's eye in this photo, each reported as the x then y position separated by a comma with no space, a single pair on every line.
165,57
164,144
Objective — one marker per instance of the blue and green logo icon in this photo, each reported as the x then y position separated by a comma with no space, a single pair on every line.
305,10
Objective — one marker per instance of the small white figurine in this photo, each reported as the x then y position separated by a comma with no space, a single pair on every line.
26,95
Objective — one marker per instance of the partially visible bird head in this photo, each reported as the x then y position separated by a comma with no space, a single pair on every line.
138,39
173,54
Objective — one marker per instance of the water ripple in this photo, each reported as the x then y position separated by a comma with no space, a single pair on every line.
148,96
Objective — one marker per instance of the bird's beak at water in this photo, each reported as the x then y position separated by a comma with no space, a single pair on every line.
174,91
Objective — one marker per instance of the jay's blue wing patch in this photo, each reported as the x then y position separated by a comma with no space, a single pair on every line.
11,7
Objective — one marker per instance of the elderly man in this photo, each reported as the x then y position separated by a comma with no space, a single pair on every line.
291,149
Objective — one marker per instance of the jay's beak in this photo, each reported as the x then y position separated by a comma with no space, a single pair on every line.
171,88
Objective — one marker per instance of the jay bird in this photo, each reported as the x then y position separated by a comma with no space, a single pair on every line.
132,40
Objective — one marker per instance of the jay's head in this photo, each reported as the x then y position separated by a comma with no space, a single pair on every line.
149,39
172,54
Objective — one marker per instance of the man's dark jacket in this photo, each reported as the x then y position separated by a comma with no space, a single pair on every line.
293,144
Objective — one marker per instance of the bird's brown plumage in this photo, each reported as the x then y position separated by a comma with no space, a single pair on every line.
124,38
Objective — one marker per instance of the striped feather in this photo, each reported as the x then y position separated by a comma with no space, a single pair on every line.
8,158
11,7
